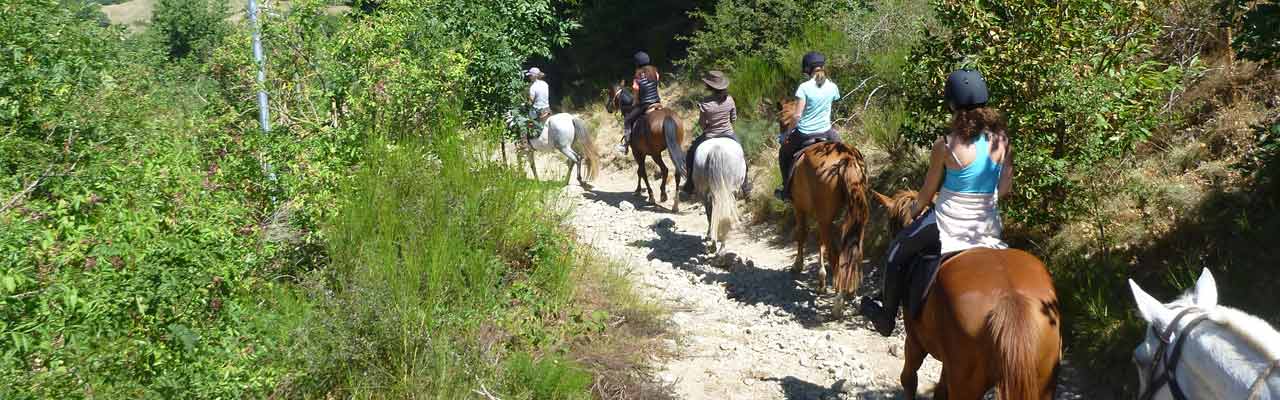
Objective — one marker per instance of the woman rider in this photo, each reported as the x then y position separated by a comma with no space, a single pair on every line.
815,98
645,87
716,115
973,167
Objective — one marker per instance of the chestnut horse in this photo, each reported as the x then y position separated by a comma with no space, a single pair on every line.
992,319
656,131
829,180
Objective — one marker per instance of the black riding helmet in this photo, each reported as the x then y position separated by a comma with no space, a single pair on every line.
642,59
966,89
812,60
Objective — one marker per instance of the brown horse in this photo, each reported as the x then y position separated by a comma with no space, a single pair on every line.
656,131
991,319
829,180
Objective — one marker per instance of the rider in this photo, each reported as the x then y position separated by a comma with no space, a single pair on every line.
539,97
814,121
716,115
973,167
645,87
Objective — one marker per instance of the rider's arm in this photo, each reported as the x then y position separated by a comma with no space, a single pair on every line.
1006,171
799,108
932,179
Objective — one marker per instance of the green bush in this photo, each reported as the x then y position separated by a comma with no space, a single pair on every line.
190,27
734,28
1078,89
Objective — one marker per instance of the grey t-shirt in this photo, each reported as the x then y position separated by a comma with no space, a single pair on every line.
717,117
541,94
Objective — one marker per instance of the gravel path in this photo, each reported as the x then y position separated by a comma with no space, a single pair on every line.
747,328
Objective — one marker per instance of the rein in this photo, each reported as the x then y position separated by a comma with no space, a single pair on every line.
1167,376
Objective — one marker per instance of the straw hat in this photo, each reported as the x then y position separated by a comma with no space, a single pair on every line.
716,80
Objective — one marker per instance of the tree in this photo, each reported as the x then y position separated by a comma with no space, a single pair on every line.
1075,78
190,26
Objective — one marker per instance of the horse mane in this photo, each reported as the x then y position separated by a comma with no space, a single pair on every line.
899,209
1258,334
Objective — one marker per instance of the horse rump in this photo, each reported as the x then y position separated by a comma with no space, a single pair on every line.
1015,336
582,137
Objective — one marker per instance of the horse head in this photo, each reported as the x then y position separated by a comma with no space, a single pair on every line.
899,209
787,110
614,98
1159,317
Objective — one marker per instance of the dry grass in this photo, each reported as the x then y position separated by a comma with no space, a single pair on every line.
133,14
622,357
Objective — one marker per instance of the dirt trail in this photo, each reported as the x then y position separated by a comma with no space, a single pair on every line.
746,328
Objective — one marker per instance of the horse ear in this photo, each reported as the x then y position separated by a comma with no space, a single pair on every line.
886,201
1206,292
1151,310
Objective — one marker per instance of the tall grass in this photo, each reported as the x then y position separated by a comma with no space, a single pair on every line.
446,276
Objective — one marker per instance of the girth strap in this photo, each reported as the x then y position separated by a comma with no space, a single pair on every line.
1256,392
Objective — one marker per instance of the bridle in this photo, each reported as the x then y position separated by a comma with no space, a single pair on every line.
1167,376
613,99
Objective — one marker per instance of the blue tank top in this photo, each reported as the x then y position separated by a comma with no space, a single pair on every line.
979,177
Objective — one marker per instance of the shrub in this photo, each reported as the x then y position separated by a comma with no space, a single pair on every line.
190,27
1078,93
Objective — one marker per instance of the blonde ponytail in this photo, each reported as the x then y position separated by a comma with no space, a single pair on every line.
819,76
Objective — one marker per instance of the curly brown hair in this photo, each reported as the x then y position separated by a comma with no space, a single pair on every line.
972,122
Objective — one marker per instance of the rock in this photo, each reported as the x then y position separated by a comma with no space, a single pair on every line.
842,386
895,349
727,346
626,206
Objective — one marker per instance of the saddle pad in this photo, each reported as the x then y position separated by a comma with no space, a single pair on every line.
799,154
920,276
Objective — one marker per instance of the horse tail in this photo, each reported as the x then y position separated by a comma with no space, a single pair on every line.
1011,327
853,178
582,136
671,131
724,172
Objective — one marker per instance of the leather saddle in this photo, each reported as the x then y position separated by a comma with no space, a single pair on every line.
796,157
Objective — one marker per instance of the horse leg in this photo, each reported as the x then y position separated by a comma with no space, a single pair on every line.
914,358
533,163
639,171
572,161
825,260
834,272
662,169
644,177
963,388
801,236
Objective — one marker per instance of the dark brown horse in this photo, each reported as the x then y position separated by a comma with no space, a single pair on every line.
992,319
828,181
655,132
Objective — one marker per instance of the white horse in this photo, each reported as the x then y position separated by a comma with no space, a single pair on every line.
1203,350
567,134
719,169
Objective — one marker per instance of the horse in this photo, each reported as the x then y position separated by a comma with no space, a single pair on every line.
719,168
658,130
1235,356
992,319
830,178
562,132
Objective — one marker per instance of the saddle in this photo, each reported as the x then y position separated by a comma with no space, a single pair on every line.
799,154
640,124
920,276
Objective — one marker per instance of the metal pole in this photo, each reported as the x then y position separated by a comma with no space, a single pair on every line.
263,111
